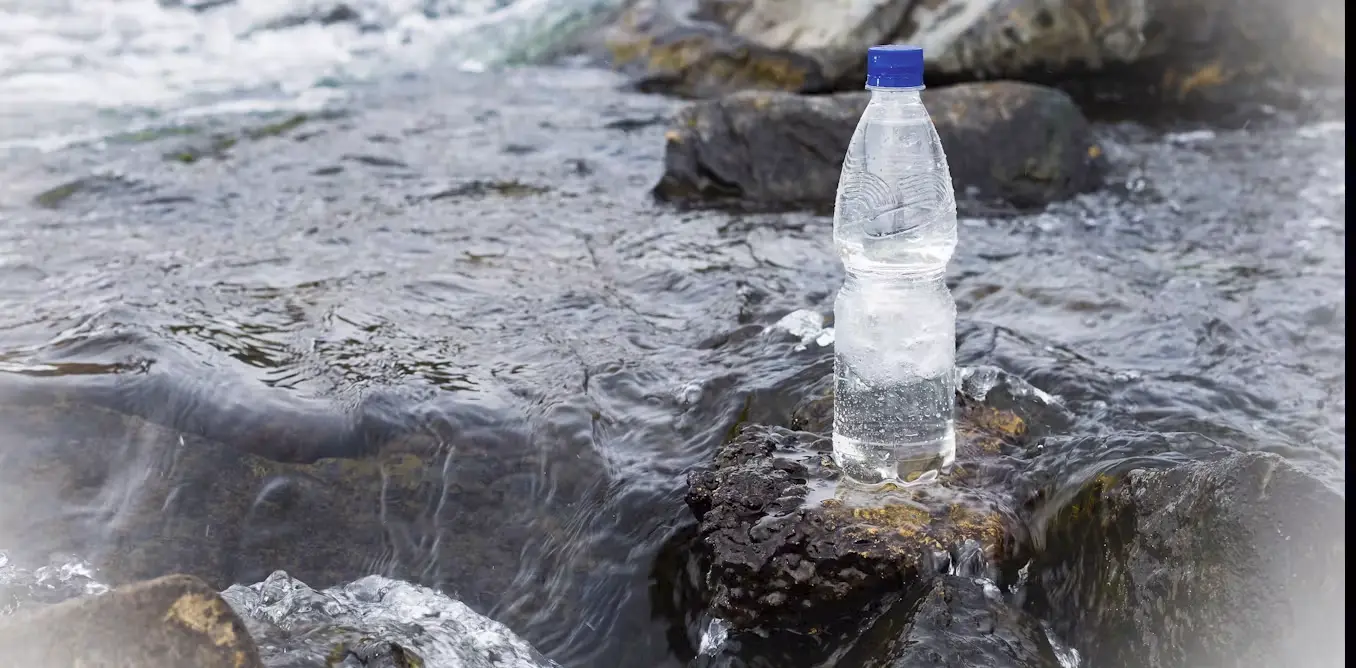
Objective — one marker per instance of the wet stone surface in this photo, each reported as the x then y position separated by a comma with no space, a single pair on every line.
1211,564
963,622
791,546
1008,144
169,622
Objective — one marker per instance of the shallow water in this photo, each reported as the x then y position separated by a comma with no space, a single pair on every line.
72,70
474,256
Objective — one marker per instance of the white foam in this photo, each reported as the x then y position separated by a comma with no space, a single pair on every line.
65,65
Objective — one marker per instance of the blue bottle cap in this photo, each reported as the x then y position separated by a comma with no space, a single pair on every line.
894,66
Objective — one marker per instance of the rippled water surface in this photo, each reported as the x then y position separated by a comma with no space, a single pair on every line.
472,260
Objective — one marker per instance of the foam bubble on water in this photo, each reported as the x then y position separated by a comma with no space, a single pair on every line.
806,325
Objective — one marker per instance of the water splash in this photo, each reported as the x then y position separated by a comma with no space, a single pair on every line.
806,325
79,70
292,622
713,638
1067,656
62,579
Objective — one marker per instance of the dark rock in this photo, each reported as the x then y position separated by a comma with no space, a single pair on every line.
170,622
963,623
195,5
323,13
1020,144
1239,562
1173,49
951,621
373,622
789,547
198,145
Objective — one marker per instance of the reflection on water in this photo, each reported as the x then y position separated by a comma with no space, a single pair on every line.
528,378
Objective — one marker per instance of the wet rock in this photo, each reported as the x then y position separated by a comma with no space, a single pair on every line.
374,621
93,186
1238,562
1178,48
950,621
664,53
169,622
1174,48
1018,144
964,623
139,499
790,547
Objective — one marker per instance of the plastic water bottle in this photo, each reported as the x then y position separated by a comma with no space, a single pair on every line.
894,226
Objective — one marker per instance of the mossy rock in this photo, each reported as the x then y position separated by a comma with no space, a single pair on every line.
1222,564
170,622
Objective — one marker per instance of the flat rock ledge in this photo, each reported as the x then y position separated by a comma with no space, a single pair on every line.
790,547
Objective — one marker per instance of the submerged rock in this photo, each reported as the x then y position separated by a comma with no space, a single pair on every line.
170,622
1173,48
374,621
1019,144
964,623
1239,562
139,499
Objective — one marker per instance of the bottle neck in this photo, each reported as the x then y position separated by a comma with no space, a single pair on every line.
896,94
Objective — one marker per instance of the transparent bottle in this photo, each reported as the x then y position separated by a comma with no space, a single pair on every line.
894,227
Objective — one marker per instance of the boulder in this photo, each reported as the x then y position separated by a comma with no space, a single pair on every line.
1175,48
1225,564
662,52
170,622
787,547
374,621
1018,144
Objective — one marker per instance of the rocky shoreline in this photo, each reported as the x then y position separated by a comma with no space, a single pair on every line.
1209,557
1232,560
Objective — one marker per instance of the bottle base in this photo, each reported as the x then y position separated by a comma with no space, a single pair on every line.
877,464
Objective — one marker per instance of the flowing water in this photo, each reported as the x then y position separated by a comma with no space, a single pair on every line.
472,257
